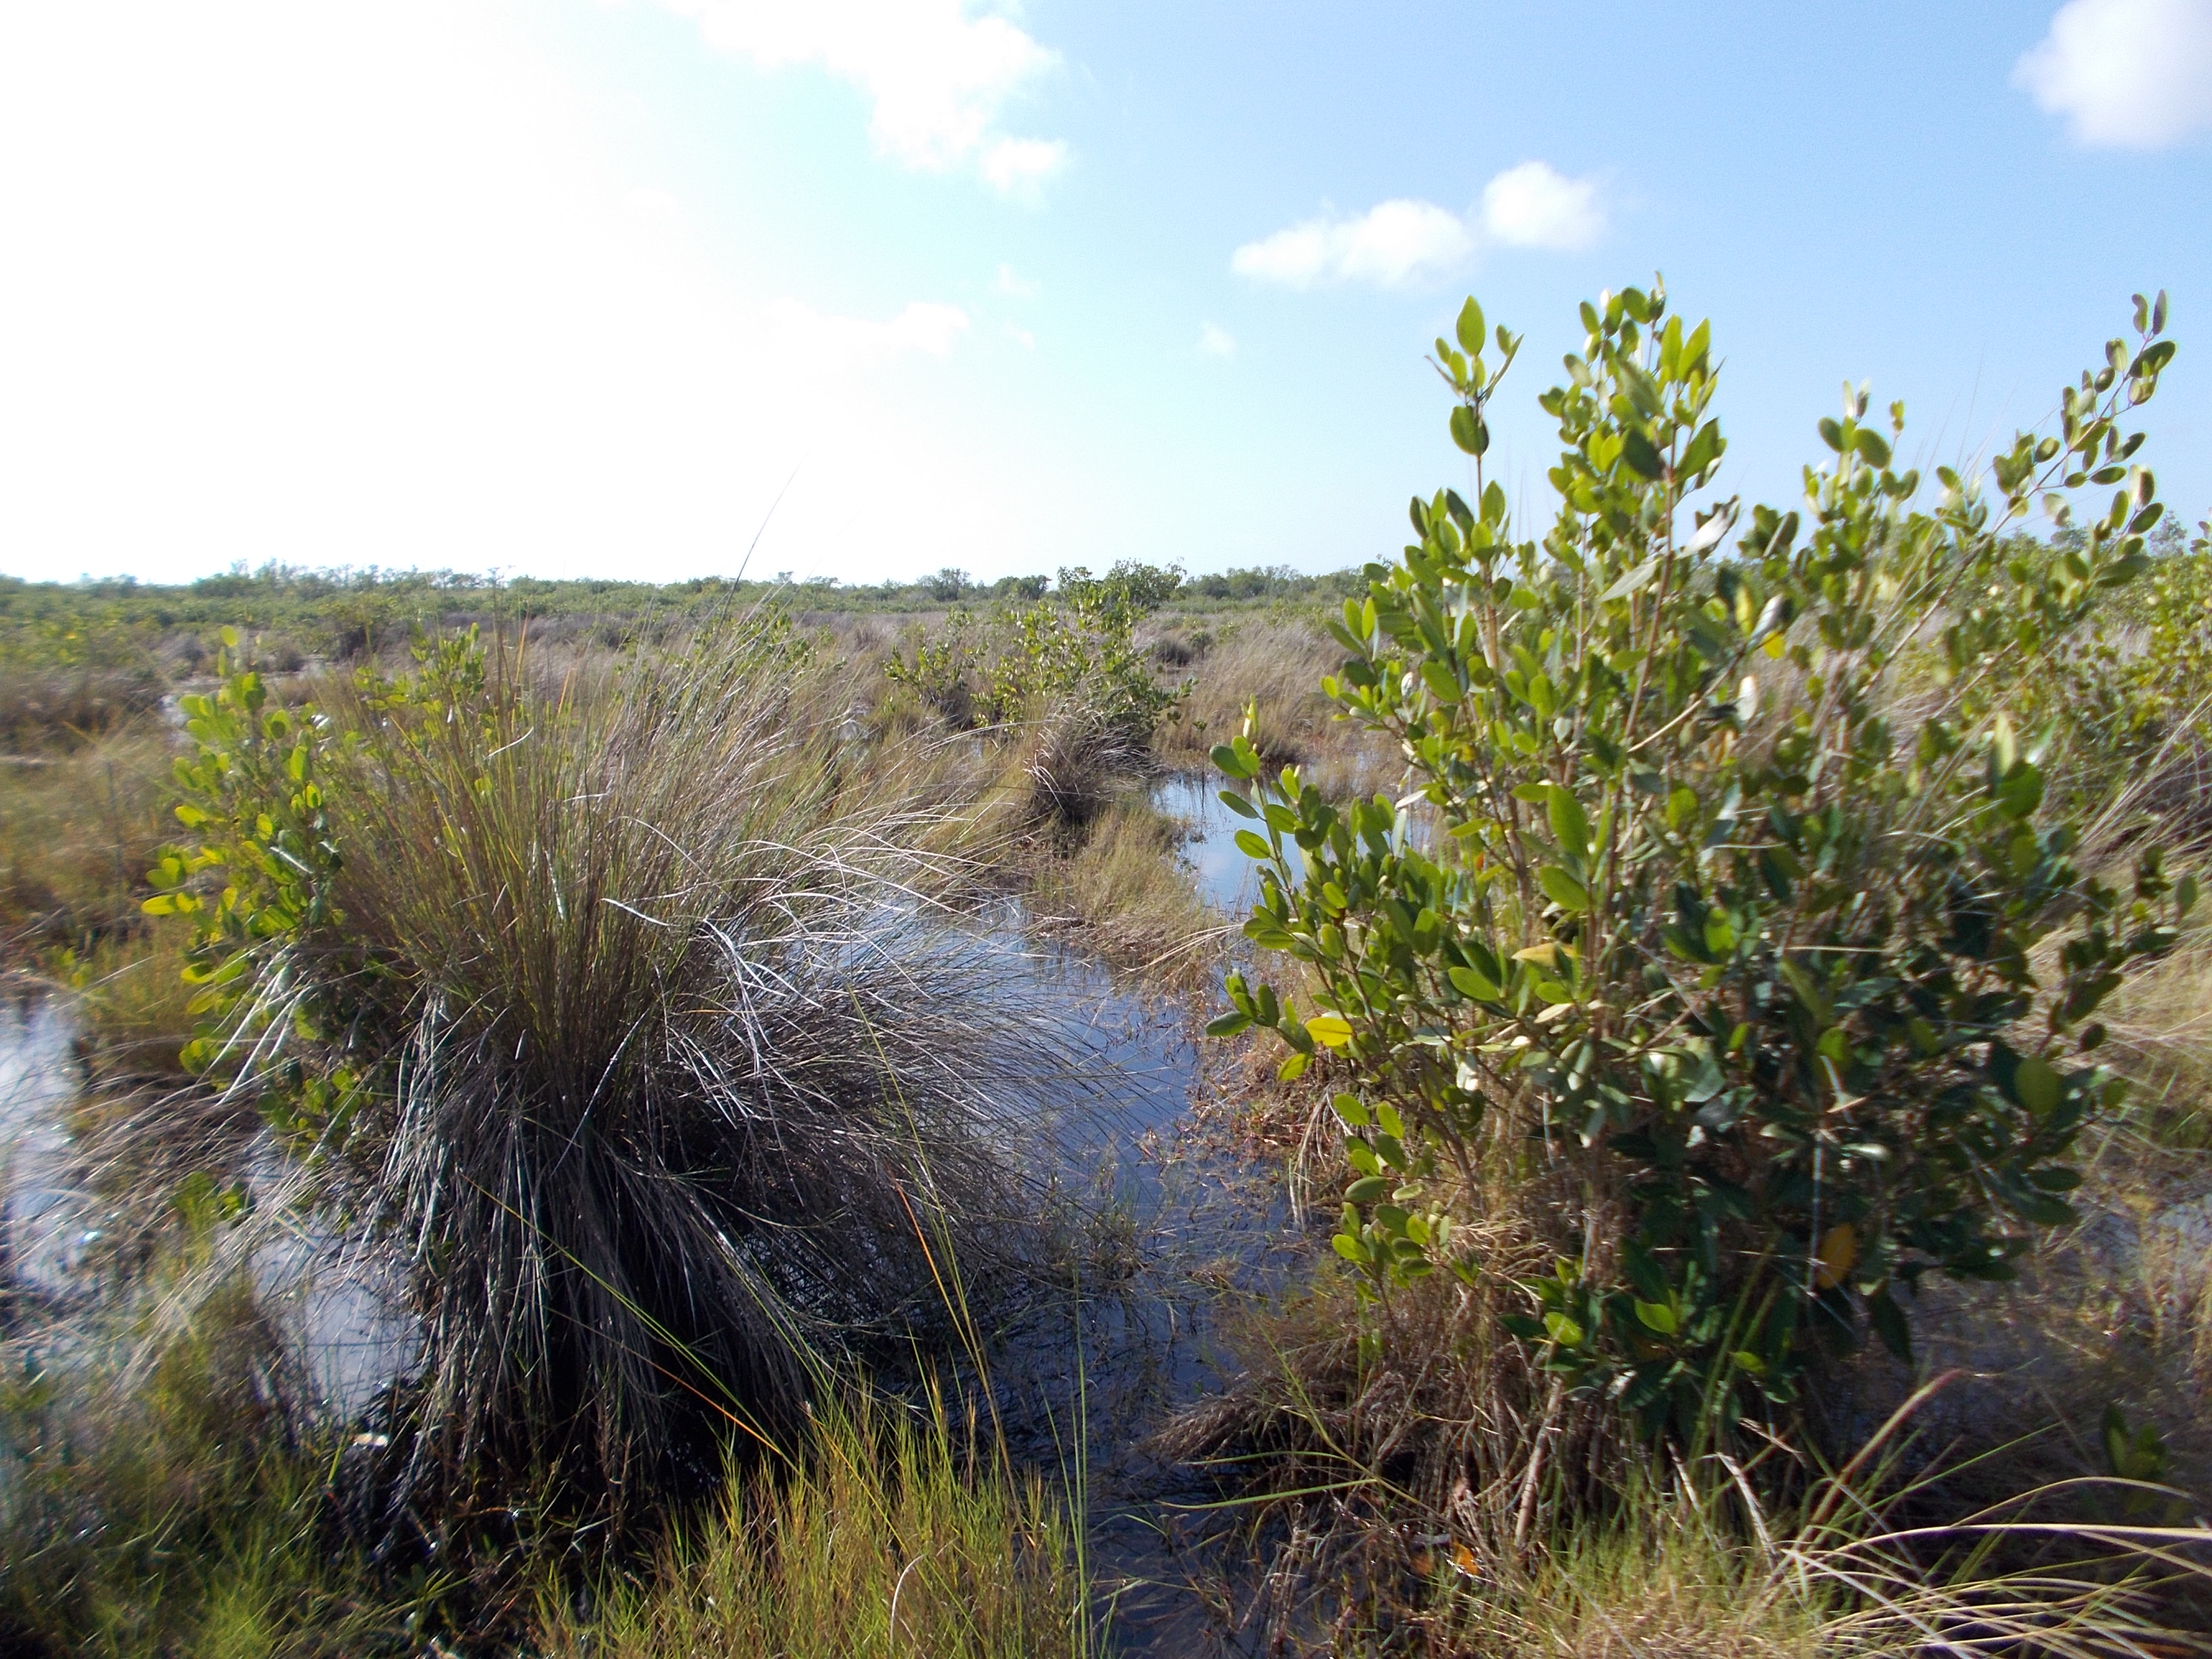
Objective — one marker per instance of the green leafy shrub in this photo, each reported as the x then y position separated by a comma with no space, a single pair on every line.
2129,696
1074,654
263,872
1729,906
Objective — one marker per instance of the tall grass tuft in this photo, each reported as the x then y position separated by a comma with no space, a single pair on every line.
689,1087
890,1540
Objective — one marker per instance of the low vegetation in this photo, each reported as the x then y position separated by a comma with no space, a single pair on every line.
1732,976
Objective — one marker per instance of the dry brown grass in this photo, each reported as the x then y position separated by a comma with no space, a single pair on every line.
1277,664
1120,892
77,830
66,709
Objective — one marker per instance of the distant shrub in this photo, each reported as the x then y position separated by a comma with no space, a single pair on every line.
1073,657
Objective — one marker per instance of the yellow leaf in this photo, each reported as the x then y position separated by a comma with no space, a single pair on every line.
1463,1559
1330,1030
1839,1249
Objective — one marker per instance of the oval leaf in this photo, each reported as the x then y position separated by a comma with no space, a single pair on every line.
1331,1030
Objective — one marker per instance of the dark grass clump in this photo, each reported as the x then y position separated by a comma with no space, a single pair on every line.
685,1086
1076,764
66,709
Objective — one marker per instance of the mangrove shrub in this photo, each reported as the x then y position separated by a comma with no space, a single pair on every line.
1729,902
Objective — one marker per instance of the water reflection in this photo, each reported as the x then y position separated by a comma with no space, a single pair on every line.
1226,876
48,1227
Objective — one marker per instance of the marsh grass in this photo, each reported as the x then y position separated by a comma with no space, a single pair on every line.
60,710
132,1006
1276,662
1705,1553
682,1059
195,1507
78,827
1122,891
176,1508
896,1534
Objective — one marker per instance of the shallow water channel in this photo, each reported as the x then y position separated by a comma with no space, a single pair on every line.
1099,1369
1226,876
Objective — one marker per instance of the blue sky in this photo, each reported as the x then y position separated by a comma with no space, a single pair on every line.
575,287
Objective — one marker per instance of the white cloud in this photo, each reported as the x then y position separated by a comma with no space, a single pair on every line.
1404,242
2135,74
1390,246
1013,287
1216,342
352,285
1533,206
1020,336
1019,167
936,77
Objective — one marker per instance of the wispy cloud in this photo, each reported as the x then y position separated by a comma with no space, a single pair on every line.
1013,286
1402,243
1214,341
1533,206
1389,246
2131,74
938,78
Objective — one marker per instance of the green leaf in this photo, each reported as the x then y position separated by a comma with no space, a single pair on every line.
1470,328
1657,1316
1235,763
1705,449
1468,431
1442,683
1562,1330
1368,1189
2022,790
1890,1324
1870,447
2036,1086
1252,847
1563,890
1636,449
1570,824
1472,984
1228,1024
1630,582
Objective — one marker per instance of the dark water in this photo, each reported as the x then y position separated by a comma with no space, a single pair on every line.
1080,1379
